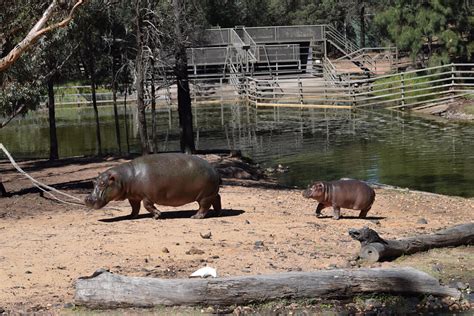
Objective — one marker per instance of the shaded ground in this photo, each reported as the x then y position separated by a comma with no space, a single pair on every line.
46,245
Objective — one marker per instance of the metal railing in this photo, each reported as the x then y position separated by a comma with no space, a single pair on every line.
415,89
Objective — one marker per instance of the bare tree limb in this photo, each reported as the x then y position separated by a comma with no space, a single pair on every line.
36,32
11,117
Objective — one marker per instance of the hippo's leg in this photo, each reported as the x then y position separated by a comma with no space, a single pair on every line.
216,205
319,208
204,206
151,208
135,208
363,213
336,212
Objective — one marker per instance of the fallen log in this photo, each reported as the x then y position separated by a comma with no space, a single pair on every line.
106,290
374,248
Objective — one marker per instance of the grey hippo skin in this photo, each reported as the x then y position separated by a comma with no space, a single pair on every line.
170,179
352,194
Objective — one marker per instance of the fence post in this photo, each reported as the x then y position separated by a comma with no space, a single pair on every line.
402,83
452,88
300,86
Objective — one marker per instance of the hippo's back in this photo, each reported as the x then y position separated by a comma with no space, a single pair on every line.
175,178
353,194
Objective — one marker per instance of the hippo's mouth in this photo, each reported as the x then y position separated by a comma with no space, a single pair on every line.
307,193
95,204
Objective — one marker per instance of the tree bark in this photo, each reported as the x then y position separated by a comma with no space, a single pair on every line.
374,248
362,24
140,72
154,143
3,191
53,138
39,30
181,72
106,290
126,118
96,111
114,100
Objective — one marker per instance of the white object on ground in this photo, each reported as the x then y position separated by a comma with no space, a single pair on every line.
204,273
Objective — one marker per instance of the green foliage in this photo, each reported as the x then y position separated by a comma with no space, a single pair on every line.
434,32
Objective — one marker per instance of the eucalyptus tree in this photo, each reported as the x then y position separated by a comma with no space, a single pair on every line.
19,92
54,66
89,32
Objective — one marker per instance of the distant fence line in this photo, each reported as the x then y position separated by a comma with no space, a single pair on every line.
411,89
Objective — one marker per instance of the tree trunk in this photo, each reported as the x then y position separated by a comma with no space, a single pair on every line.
362,25
154,143
140,72
3,191
106,290
114,98
53,139
96,111
374,248
181,72
126,118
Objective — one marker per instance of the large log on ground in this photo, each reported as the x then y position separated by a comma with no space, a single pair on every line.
374,248
106,290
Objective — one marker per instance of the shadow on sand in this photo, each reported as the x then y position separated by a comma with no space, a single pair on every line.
173,215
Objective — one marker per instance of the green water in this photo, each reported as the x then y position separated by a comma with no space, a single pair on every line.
380,146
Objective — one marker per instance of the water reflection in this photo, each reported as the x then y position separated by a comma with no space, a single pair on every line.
381,146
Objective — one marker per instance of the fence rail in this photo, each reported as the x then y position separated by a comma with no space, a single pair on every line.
415,89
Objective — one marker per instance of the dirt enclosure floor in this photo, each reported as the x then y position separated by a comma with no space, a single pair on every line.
46,245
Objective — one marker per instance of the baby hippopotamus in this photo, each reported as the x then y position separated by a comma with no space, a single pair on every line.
171,179
353,194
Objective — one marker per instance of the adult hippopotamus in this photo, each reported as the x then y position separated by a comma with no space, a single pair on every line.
353,194
171,179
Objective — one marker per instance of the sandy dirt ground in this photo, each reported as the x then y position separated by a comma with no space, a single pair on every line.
46,245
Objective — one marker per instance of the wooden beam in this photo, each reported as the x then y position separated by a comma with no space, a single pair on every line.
106,290
374,248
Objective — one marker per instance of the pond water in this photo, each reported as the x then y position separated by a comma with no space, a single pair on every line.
380,146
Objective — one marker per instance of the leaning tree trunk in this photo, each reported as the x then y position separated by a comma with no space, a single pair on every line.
106,290
374,248
53,138
140,82
181,72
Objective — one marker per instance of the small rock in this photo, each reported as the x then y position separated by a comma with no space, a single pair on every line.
165,250
437,267
375,221
462,286
258,244
206,235
194,251
247,221
2,310
28,272
68,305
422,221
332,266
373,303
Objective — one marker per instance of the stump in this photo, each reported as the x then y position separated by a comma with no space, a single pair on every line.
374,248
106,290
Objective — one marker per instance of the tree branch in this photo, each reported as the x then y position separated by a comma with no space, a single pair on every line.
18,111
36,32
